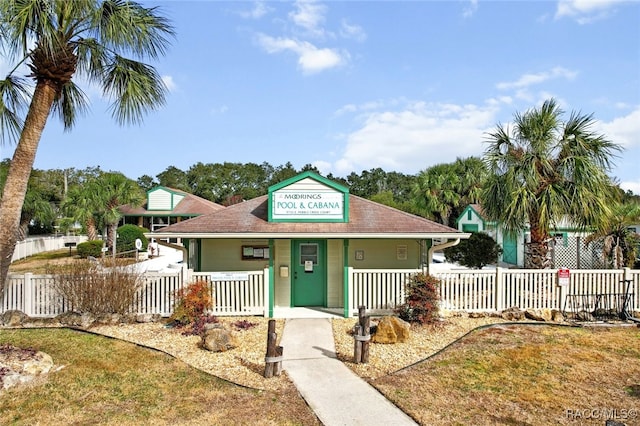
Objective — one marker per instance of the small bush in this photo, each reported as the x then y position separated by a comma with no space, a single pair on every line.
89,287
192,302
198,326
90,248
244,324
127,236
476,252
422,300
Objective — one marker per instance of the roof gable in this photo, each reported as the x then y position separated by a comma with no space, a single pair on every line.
308,197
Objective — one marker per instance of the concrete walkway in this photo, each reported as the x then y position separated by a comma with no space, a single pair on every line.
336,394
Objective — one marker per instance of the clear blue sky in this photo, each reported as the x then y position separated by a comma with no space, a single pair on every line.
354,85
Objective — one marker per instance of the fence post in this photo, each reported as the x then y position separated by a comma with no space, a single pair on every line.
499,289
273,358
361,337
349,301
28,294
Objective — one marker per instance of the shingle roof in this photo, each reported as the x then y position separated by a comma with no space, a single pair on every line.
251,217
190,205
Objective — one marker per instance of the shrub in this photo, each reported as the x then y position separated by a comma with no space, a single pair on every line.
479,250
192,302
422,299
244,324
89,287
198,326
127,236
90,248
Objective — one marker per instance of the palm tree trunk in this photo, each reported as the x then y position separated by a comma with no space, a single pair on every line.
538,256
92,232
15,186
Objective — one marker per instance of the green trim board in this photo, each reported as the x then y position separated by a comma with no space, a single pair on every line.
345,277
272,279
308,197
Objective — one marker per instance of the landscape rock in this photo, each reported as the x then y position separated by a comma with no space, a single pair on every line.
145,318
76,319
391,330
216,338
557,316
513,314
538,314
14,318
19,366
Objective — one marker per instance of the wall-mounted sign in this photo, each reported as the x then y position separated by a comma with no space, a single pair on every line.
307,205
229,276
563,277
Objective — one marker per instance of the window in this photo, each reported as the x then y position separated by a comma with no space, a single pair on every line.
308,252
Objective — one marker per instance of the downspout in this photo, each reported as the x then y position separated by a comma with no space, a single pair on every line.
438,247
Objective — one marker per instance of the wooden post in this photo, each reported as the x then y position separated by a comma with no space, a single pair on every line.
273,358
361,337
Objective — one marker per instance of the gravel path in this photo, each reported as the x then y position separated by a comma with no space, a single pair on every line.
244,365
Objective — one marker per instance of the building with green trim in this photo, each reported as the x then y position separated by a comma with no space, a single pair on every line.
308,231
567,247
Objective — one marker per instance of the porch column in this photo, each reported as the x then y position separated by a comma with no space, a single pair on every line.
272,278
345,278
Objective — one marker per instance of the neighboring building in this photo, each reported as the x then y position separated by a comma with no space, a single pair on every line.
166,206
567,247
307,232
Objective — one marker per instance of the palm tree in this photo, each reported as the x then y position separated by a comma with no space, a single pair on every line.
59,40
620,243
543,170
442,191
111,191
79,206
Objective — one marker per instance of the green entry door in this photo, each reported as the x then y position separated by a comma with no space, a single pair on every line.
510,249
309,273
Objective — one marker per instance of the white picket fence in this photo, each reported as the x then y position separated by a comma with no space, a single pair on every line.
247,293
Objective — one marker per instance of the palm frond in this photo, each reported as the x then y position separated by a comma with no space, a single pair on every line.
136,88
128,28
14,100
71,103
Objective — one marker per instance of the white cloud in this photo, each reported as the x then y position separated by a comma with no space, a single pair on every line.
311,59
623,130
470,9
585,11
168,81
527,80
633,186
417,136
354,32
309,15
258,11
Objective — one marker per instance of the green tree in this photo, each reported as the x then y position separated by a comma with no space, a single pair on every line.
172,177
443,191
80,206
146,182
58,40
543,170
476,252
620,243
111,191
